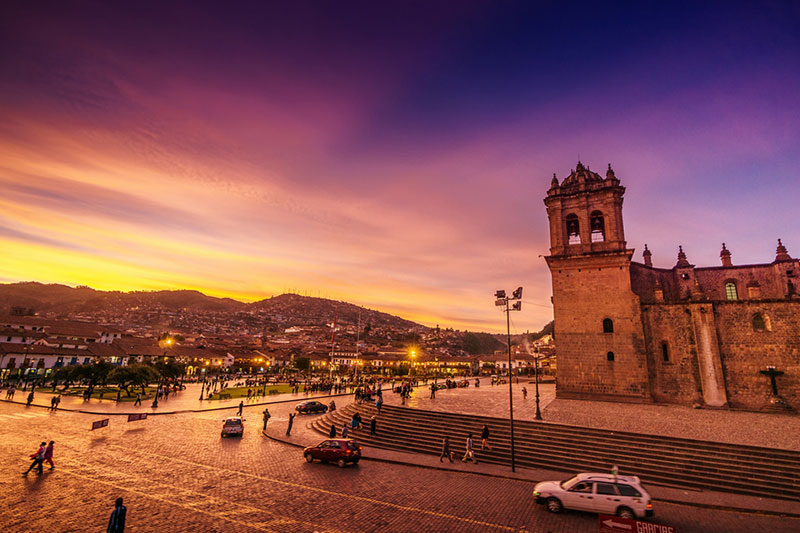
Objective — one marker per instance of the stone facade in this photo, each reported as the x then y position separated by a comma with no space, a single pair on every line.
687,335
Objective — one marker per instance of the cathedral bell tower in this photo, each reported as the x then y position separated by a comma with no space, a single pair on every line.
585,213
598,323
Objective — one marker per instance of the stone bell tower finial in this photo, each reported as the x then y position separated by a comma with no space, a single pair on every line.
781,254
725,256
648,257
682,261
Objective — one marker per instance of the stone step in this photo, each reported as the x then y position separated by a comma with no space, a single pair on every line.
685,468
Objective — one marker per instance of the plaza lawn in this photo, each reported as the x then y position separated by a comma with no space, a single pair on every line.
109,393
241,392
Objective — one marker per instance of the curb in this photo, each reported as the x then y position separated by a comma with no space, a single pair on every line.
513,478
184,411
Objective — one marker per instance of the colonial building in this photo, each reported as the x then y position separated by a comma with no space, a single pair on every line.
688,335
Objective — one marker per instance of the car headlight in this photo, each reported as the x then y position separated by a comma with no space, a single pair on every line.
536,493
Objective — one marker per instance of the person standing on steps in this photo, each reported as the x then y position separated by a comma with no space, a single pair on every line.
291,421
116,523
470,451
485,438
266,417
446,449
373,424
332,432
345,431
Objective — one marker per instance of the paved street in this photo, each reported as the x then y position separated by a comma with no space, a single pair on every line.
176,474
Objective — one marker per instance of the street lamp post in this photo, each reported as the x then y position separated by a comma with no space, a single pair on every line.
501,300
538,415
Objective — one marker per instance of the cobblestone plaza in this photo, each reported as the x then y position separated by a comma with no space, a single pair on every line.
176,474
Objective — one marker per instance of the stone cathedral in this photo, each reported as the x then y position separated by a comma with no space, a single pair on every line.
718,336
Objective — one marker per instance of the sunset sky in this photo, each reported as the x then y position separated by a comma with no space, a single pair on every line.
394,155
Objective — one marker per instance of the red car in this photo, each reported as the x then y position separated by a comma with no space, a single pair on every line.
339,451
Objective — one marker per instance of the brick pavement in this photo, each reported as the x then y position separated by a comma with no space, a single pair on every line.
176,474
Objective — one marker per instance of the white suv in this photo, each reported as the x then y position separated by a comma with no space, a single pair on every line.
598,493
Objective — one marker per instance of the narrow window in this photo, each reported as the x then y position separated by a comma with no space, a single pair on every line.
730,291
598,227
610,356
573,230
608,325
665,351
758,322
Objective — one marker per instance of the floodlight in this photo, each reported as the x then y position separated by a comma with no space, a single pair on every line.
517,306
518,293
500,302
500,294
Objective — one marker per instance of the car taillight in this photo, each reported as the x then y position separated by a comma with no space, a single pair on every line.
348,452
649,505
359,448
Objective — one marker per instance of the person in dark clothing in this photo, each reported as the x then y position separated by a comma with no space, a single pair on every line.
485,438
241,406
266,418
116,523
332,432
30,399
373,425
446,449
291,421
38,459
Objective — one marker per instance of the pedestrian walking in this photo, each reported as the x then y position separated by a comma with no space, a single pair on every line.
119,393
446,449
266,418
116,523
48,454
373,425
332,432
58,402
345,431
291,421
470,452
38,459
379,404
485,438
138,399
53,403
524,393
30,399
241,406
433,391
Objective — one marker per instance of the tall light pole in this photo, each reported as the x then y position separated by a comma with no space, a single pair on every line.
538,415
501,300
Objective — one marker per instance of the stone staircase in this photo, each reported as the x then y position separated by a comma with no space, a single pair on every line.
670,461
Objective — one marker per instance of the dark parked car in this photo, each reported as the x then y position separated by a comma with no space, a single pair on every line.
311,407
339,451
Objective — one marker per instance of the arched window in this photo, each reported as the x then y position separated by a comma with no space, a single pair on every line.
573,229
598,227
758,322
730,291
610,356
608,325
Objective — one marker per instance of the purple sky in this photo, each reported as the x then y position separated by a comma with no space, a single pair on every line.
390,154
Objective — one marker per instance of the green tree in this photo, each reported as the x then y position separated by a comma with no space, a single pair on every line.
134,375
302,363
170,369
67,374
94,372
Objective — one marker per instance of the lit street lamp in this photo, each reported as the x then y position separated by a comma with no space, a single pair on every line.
501,300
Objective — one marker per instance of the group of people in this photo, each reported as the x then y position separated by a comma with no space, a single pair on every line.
469,446
54,402
10,392
44,453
